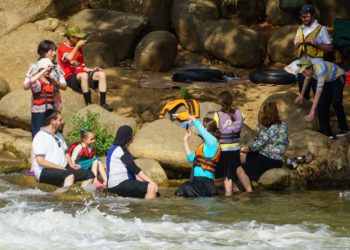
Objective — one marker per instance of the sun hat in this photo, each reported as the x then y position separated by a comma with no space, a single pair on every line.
303,64
44,63
307,8
75,31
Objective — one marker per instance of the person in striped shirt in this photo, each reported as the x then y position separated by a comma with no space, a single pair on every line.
329,90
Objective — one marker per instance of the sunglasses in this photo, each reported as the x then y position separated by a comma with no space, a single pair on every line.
57,140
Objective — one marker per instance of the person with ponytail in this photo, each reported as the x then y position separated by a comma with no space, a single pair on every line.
229,121
205,160
267,150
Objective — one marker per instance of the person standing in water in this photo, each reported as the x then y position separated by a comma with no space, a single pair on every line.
229,121
205,160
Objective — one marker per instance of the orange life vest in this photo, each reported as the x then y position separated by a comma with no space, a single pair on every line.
191,105
46,94
305,46
84,153
204,162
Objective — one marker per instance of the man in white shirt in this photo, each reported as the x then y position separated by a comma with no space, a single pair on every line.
50,161
311,41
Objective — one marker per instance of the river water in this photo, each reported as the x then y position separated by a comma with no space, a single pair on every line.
32,219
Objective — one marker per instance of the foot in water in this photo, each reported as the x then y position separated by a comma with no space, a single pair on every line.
98,184
61,190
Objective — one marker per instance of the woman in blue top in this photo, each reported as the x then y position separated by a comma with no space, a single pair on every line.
267,150
205,160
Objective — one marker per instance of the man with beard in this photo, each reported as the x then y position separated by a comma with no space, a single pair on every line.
52,164
311,41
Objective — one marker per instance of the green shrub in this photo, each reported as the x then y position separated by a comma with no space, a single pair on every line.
91,120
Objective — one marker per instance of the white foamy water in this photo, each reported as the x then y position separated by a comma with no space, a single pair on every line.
90,228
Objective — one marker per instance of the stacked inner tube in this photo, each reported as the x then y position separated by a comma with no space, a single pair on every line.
272,76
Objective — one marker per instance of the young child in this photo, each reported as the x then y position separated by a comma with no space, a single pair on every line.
229,121
82,154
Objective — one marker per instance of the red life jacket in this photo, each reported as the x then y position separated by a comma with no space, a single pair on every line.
47,93
204,162
84,153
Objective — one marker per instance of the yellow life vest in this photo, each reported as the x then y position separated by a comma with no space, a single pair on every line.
305,46
191,105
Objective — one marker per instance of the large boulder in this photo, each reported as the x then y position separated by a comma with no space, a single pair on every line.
17,54
332,9
187,18
152,169
243,11
280,46
236,44
278,16
157,11
107,118
156,51
162,140
282,178
17,113
291,113
97,54
4,87
120,31
10,164
17,141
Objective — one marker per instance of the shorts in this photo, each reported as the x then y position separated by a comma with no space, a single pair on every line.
74,83
53,176
256,164
228,163
38,120
198,187
131,188
81,174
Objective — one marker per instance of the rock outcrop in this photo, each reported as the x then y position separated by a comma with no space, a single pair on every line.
156,52
98,54
152,169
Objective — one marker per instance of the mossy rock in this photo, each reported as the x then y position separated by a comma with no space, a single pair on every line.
75,193
282,179
9,147
29,182
9,164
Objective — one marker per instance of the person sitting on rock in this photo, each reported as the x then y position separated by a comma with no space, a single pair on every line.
40,72
205,160
83,154
229,121
330,85
125,178
78,76
51,163
267,150
311,41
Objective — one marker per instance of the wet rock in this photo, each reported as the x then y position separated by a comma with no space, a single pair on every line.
17,113
152,169
281,45
120,31
98,54
188,17
282,178
29,182
291,113
4,87
9,164
278,16
156,51
243,12
112,120
162,140
232,43
75,193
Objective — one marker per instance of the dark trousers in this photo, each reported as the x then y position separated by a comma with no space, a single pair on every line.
312,85
332,93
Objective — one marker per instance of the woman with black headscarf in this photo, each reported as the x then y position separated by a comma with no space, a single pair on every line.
125,178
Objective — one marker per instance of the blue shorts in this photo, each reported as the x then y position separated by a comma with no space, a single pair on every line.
38,120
